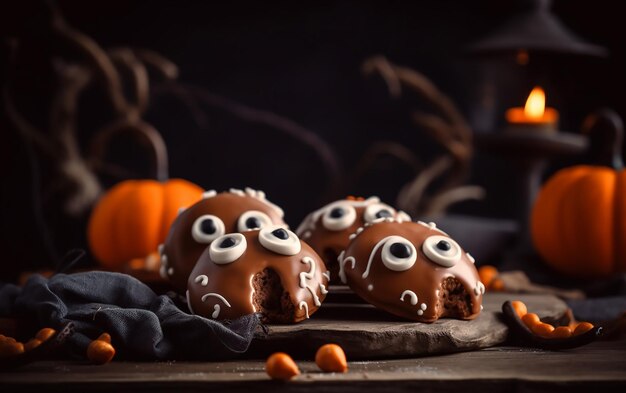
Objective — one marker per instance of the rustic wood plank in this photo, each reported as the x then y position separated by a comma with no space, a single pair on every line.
368,333
600,365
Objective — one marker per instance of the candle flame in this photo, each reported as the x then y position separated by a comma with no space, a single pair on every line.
535,104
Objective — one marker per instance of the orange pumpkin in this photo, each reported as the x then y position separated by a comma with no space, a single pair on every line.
134,216
578,223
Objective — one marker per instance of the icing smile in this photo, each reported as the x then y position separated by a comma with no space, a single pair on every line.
216,307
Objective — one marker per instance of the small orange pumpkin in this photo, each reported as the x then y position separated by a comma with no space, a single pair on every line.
134,216
578,222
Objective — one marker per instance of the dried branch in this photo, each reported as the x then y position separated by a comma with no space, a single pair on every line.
441,131
81,182
448,128
139,128
327,157
387,148
95,55
423,86
73,79
440,203
75,178
411,195
162,65
393,149
188,100
125,59
387,72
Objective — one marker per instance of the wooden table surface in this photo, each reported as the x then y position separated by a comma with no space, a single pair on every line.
600,365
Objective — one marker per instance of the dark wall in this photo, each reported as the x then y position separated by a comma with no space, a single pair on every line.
300,60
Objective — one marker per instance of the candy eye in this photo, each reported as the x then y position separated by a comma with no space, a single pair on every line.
442,250
228,248
279,240
338,217
378,210
253,219
398,254
207,228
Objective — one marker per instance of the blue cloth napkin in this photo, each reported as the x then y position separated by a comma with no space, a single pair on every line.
142,324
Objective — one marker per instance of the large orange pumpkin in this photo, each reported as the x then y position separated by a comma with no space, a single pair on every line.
578,222
134,217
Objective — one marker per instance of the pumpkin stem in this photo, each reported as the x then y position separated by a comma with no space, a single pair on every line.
137,128
606,131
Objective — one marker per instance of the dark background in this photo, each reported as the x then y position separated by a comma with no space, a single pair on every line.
300,60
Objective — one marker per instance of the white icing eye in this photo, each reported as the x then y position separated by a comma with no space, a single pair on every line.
442,250
378,210
398,254
279,240
253,219
338,217
228,248
207,228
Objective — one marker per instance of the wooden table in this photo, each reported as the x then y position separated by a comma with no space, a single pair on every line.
600,366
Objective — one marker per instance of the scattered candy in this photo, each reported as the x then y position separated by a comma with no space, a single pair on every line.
561,332
530,319
281,366
100,351
106,337
487,274
542,329
489,277
44,334
582,328
520,308
331,358
10,347
32,344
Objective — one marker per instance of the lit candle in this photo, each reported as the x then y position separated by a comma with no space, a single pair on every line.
534,115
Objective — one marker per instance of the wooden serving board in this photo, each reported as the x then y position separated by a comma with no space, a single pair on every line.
365,332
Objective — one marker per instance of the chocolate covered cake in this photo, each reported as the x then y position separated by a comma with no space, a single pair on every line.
327,230
412,270
215,215
269,271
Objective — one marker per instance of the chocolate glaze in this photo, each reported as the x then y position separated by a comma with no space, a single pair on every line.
384,287
181,251
329,243
233,281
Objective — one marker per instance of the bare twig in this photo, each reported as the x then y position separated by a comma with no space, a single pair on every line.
386,148
279,123
95,56
102,138
81,182
76,179
441,131
387,72
440,203
188,99
125,59
448,128
412,193
164,66
393,149
423,86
